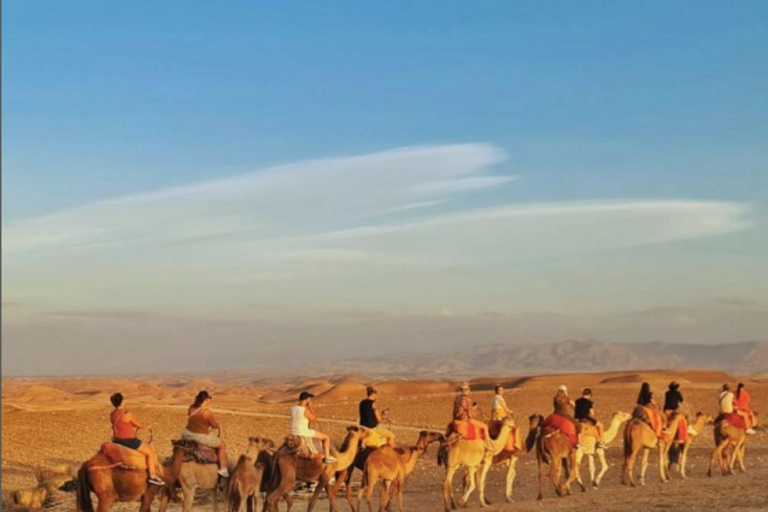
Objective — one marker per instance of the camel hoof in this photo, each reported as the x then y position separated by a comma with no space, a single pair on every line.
508,499
487,501
595,485
540,497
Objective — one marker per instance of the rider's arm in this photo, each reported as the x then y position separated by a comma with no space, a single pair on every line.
377,412
130,418
309,413
211,420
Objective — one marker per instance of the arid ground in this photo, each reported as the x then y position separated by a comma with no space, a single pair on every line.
50,422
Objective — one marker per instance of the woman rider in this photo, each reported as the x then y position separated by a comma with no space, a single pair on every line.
645,401
741,403
124,429
200,422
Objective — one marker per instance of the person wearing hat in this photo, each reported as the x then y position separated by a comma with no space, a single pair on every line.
302,415
200,422
584,412
371,416
564,406
464,409
673,399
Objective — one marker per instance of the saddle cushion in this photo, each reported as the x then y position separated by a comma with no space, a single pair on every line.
123,455
654,417
195,452
564,426
589,430
373,440
736,420
682,434
468,430
303,447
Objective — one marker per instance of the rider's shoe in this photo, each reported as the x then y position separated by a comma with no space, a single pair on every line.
223,473
330,460
751,431
155,481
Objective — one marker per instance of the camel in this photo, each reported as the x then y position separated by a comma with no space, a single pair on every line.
552,447
113,483
459,452
393,466
287,468
639,435
728,437
345,477
244,486
191,476
697,426
509,457
588,447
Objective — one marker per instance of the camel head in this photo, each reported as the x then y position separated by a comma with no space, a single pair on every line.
622,416
355,434
426,438
707,419
261,444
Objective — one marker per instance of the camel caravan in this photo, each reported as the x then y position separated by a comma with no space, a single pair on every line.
127,469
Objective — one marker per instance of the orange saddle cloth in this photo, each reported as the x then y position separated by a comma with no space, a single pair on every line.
468,431
655,418
494,429
120,454
682,431
564,425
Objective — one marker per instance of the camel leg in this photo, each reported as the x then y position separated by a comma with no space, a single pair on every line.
189,498
481,483
663,466
321,484
603,468
273,497
573,472
400,486
742,449
717,456
448,489
541,479
579,457
554,474
385,495
511,474
629,468
684,459
644,465
471,474
348,487
590,468
733,458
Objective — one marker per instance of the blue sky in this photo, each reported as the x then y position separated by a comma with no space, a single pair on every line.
637,130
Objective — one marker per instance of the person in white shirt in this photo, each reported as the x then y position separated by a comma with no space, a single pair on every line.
301,416
726,400
499,409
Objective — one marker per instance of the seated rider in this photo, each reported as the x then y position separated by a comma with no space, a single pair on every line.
499,409
124,429
200,422
741,404
585,413
673,400
645,403
371,416
302,415
564,406
464,410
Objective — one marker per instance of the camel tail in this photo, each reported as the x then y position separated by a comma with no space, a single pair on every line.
83,499
627,443
530,440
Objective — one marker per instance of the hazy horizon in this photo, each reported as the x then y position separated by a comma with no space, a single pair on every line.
205,188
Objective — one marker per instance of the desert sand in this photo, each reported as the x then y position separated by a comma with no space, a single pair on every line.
50,422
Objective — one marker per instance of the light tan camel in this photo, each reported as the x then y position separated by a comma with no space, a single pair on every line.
244,486
344,477
509,457
697,426
552,447
730,445
476,457
191,477
639,435
391,466
112,483
287,468
588,447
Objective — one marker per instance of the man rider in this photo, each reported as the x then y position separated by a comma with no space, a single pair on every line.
371,416
584,411
302,415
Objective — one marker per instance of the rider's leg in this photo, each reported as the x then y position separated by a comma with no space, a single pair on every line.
326,443
151,457
221,451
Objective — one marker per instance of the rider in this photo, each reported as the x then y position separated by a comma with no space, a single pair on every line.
741,403
585,413
371,416
645,403
673,400
464,409
124,429
499,409
200,422
564,407
302,415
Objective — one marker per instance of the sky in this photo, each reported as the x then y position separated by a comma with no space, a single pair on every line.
212,186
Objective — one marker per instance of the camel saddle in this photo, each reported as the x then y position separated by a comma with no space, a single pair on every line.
734,419
467,430
558,423
196,452
124,456
303,447
373,439
494,430
588,429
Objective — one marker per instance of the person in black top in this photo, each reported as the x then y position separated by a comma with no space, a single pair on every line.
371,416
673,398
585,413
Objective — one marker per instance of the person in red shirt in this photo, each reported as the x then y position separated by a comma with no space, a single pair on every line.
124,429
741,404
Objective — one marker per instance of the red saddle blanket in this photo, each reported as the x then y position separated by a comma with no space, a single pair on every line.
734,419
468,430
195,452
120,454
563,425
682,431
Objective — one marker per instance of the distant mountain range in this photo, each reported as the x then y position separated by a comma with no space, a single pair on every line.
562,357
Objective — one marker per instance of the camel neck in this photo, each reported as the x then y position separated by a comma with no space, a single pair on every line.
613,430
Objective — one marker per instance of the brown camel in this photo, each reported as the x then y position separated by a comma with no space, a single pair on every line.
113,483
730,444
191,477
345,477
588,447
476,457
697,426
552,446
244,486
639,435
393,466
287,468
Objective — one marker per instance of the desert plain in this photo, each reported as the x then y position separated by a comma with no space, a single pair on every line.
63,421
